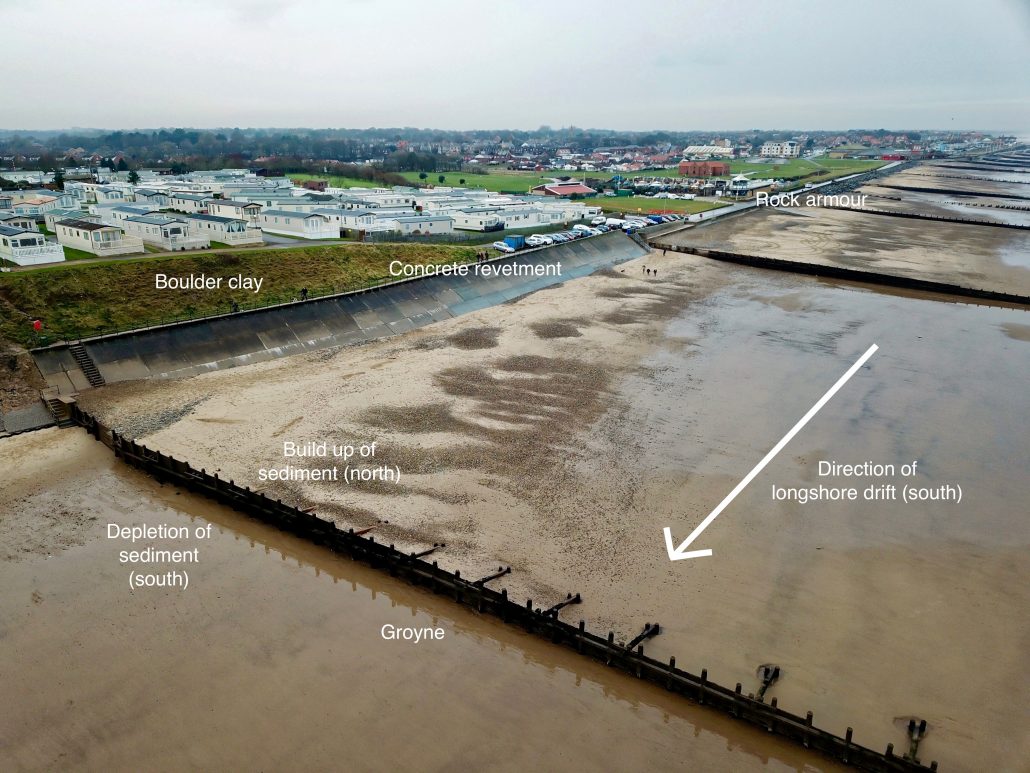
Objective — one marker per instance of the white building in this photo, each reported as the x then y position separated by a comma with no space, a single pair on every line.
113,194
228,230
422,224
306,225
785,149
24,222
159,198
707,151
475,220
187,202
353,219
169,233
239,210
97,238
35,206
27,248
51,218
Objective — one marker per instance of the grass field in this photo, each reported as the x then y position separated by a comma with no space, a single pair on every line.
792,168
495,180
337,181
520,182
70,253
80,300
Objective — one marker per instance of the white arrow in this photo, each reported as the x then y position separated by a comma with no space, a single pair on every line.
681,552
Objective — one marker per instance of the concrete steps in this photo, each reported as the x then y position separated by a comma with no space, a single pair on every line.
85,362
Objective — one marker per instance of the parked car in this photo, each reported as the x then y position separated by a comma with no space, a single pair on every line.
534,241
502,247
544,238
579,227
599,220
603,228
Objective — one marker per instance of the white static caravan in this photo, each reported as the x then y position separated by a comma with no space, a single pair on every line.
422,224
159,199
306,225
51,218
187,202
97,238
23,222
473,220
169,233
228,230
238,210
27,248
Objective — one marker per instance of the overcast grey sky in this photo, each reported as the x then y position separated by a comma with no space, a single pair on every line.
646,64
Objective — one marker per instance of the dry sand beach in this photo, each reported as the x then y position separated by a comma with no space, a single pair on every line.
558,434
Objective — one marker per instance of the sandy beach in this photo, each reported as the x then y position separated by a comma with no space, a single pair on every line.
273,658
560,433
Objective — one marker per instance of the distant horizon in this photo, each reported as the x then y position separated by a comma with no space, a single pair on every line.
496,129
703,63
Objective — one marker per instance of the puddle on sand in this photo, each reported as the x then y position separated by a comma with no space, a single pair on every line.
273,657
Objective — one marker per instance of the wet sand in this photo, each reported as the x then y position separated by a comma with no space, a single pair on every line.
560,433
272,659
969,255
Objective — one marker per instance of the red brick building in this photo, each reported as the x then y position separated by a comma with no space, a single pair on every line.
312,185
704,168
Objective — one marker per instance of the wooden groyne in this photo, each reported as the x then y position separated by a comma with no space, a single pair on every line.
952,192
852,275
921,216
542,620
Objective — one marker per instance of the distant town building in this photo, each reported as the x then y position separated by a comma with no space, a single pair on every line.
708,151
703,168
784,149
314,185
564,189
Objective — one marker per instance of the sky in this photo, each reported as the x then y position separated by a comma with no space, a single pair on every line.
470,64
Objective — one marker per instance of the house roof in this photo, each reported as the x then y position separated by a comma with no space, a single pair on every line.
233,203
563,189
214,218
288,213
155,220
189,197
83,225
6,230
417,219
